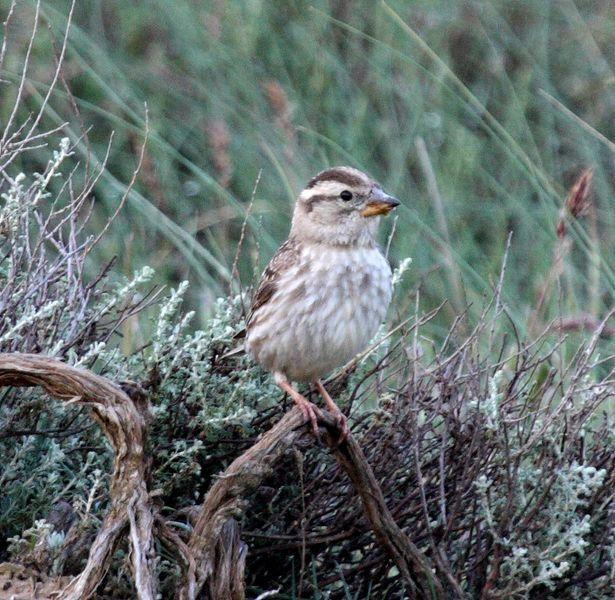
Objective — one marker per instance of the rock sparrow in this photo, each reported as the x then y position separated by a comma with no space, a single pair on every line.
327,288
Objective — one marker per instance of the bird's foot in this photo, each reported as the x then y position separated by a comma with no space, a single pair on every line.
311,413
342,425
341,421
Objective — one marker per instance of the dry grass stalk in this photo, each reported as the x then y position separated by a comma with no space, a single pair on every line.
445,246
219,141
283,112
235,281
575,206
577,202
584,322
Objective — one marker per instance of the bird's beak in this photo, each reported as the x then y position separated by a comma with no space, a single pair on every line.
380,203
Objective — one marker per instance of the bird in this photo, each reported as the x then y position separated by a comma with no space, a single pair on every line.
326,290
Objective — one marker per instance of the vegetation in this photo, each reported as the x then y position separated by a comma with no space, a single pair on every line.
511,100
487,421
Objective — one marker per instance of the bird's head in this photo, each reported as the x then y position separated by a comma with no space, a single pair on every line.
340,206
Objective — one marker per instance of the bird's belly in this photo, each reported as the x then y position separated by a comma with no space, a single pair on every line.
331,335
338,311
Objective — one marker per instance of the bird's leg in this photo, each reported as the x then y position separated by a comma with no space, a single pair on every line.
340,418
310,411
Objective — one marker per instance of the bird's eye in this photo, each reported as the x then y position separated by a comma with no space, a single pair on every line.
346,195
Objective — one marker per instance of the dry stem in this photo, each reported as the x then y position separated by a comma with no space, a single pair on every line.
124,426
214,556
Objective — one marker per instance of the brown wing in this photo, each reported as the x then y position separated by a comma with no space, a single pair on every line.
286,255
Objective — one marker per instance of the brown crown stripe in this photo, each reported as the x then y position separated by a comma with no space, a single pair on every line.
336,175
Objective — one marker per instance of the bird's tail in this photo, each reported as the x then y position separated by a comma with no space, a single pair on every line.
234,352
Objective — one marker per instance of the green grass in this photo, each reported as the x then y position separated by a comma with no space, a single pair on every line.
512,100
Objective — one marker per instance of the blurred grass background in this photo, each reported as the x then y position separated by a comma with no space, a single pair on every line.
478,115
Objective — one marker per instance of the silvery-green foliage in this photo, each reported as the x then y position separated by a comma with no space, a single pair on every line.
199,399
541,555
50,305
489,406
53,302
501,442
38,547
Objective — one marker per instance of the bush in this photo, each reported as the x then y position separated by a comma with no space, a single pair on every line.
494,456
498,469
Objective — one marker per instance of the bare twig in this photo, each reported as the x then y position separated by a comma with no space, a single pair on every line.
225,499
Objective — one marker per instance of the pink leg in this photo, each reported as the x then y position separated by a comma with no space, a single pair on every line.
340,418
309,410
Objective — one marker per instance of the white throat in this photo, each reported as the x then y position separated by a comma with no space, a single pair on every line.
356,231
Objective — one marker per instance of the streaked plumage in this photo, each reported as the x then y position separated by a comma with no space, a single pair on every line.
318,309
327,288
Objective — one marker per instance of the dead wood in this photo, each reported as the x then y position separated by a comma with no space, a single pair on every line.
412,564
226,499
130,508
214,556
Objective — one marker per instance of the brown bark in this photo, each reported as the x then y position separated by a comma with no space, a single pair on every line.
225,500
124,427
412,564
214,557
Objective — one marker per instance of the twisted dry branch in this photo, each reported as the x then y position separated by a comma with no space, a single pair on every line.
214,556
124,425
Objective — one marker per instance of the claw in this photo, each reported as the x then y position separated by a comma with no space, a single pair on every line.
340,418
342,425
311,413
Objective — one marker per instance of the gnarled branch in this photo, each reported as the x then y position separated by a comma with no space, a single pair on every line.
214,555
225,500
124,427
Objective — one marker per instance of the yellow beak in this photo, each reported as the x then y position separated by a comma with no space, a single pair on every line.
380,205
